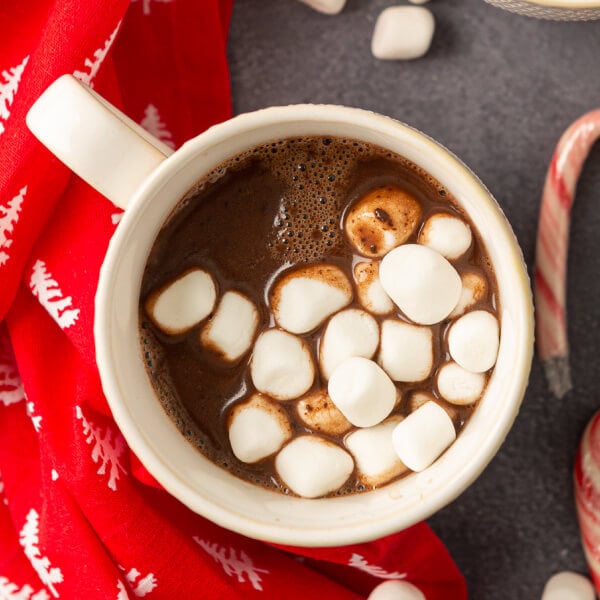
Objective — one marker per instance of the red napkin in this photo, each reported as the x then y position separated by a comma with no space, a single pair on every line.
79,515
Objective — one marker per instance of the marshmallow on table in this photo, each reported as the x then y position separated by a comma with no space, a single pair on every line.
422,436
362,391
568,586
373,452
312,466
422,283
182,303
402,32
447,234
459,386
351,332
231,330
473,341
396,590
281,365
329,7
369,290
406,351
320,414
474,289
381,220
303,298
257,428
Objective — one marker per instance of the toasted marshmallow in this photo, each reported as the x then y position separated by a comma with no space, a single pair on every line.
362,391
447,234
474,289
369,290
422,283
328,7
567,585
406,351
321,415
303,298
418,398
473,341
230,332
381,220
183,302
281,365
352,332
422,436
459,386
373,452
396,590
402,33
312,466
257,428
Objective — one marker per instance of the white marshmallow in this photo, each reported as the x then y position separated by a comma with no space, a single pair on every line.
447,234
302,299
418,398
321,415
351,332
459,386
381,220
312,466
406,351
473,341
362,391
231,331
396,590
474,289
328,7
402,32
281,365
369,290
424,285
257,429
568,586
182,303
422,436
373,452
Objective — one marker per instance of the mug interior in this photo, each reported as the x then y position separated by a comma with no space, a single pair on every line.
215,493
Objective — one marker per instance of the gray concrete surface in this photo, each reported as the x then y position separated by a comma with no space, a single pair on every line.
498,89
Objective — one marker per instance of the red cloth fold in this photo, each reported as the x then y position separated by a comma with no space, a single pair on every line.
80,517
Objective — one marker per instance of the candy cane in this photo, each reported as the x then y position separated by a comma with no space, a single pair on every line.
552,247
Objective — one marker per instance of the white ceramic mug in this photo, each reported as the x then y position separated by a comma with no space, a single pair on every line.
134,171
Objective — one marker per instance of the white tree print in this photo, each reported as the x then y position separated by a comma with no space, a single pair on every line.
115,218
107,449
147,4
11,386
93,65
241,567
36,420
141,586
11,591
153,124
4,500
9,84
358,562
9,215
29,539
49,294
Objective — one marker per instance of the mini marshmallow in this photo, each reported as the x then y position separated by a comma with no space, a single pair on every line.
422,283
381,220
257,429
373,452
396,590
281,365
406,351
362,391
447,234
321,415
230,332
312,466
422,436
351,332
183,302
474,289
328,7
369,290
567,585
459,386
418,398
473,341
402,33
303,298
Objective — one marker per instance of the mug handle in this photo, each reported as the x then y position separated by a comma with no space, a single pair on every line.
95,140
